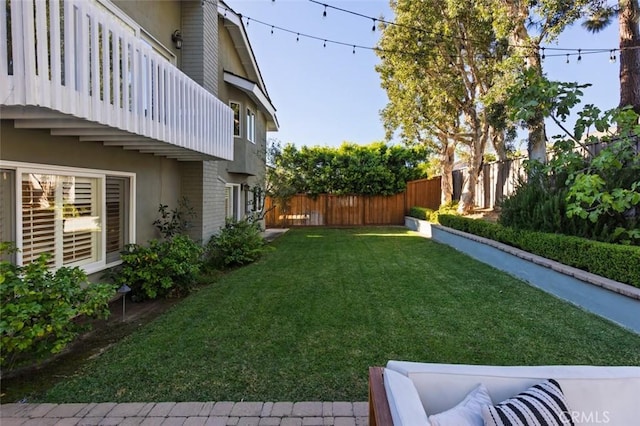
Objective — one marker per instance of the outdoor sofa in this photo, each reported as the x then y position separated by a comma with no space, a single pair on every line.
411,393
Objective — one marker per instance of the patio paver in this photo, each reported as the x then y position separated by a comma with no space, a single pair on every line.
221,413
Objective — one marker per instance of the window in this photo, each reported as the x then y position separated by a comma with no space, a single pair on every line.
79,217
232,201
7,210
236,118
251,126
117,206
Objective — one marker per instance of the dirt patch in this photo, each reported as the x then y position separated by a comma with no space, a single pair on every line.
30,382
485,214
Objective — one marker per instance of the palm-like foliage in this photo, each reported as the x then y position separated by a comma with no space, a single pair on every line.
600,16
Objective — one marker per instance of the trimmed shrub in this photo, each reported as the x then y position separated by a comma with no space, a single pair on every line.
614,261
164,268
238,243
421,213
424,213
39,307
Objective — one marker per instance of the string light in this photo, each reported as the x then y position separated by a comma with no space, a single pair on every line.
354,49
324,14
373,28
381,52
421,30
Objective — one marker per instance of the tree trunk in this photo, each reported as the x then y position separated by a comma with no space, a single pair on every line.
447,158
467,198
500,146
537,143
629,54
537,139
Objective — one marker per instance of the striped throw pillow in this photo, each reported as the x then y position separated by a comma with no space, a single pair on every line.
543,404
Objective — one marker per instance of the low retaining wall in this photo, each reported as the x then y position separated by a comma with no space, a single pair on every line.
609,299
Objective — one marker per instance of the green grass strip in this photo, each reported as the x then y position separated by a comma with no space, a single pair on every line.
306,322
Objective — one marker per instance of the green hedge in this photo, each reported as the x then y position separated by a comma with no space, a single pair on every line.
617,262
422,213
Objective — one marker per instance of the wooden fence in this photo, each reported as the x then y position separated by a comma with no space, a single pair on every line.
496,181
353,210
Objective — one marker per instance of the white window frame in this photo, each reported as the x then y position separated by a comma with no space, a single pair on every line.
239,135
251,125
20,168
235,201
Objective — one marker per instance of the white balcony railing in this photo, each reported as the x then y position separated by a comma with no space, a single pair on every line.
71,57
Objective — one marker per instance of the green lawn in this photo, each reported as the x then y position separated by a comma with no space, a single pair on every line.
307,321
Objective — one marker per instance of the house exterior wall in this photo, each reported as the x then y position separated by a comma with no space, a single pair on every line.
248,166
159,19
157,178
200,47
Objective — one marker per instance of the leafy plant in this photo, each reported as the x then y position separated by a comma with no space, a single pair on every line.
176,221
39,307
238,243
163,268
590,186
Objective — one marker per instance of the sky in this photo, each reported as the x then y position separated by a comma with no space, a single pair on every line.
327,95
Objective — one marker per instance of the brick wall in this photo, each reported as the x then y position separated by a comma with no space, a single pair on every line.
200,47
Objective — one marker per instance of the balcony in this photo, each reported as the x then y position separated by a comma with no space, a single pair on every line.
68,66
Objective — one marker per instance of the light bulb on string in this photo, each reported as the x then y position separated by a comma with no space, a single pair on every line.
612,56
354,50
325,44
298,37
248,19
373,28
543,55
324,14
567,58
272,30
579,55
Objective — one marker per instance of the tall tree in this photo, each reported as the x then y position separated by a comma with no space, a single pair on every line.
600,16
528,23
438,62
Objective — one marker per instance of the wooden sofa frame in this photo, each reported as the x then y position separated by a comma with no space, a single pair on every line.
379,411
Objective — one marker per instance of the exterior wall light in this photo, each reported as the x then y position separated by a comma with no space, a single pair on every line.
176,37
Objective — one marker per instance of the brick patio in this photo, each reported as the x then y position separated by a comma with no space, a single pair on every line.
222,413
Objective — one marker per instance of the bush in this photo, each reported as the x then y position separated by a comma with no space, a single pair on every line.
421,213
39,307
238,243
541,206
174,222
164,268
424,213
614,261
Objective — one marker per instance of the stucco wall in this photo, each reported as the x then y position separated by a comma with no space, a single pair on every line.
248,156
159,18
158,180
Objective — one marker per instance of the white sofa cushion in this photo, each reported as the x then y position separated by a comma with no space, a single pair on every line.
404,402
594,393
468,412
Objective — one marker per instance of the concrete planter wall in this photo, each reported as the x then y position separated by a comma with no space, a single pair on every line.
610,299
